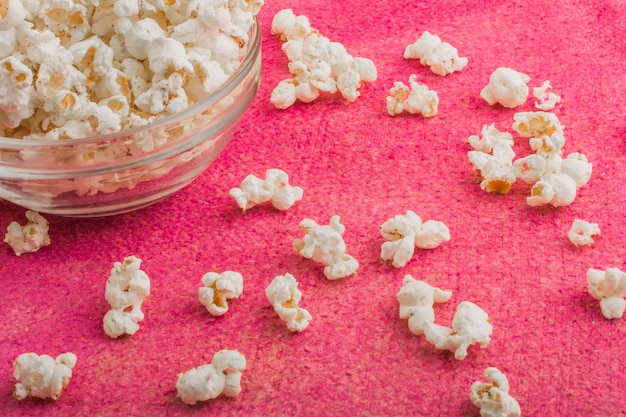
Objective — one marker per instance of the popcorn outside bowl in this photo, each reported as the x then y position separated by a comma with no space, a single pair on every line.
106,175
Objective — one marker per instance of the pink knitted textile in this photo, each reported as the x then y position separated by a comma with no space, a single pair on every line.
357,358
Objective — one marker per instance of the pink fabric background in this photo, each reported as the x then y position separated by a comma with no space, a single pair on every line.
357,358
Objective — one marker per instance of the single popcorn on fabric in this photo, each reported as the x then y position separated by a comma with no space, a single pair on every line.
609,287
28,238
284,295
546,100
405,232
416,98
507,87
325,244
217,289
416,299
82,68
581,232
441,57
316,64
470,325
42,376
493,397
126,289
206,382
275,188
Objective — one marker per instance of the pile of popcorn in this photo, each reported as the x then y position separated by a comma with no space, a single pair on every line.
555,179
316,64
78,68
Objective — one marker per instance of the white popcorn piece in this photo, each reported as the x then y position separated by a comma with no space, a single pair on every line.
546,100
495,171
470,325
578,167
405,232
16,92
493,397
416,99
555,189
126,289
274,188
581,232
206,382
416,299
531,168
506,87
218,289
12,13
287,25
537,124
28,238
42,376
284,295
325,244
491,138
609,287
441,57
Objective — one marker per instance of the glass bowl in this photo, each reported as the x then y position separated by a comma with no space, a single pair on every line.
128,170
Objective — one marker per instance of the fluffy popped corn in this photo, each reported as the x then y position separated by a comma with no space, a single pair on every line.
537,124
470,325
126,288
206,382
415,98
42,376
554,189
218,289
441,57
495,170
30,237
507,87
274,188
491,138
610,288
405,232
316,64
81,68
581,232
284,295
325,244
493,397
546,100
416,299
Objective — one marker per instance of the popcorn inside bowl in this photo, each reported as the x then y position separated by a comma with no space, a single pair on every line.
98,100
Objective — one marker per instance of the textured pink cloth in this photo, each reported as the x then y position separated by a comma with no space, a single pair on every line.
357,357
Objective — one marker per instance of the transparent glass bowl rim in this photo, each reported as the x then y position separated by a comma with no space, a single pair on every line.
240,74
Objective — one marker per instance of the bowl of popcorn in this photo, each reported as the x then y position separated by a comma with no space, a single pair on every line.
110,108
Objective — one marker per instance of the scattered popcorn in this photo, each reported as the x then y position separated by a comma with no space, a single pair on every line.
42,376
316,64
218,289
547,100
30,237
554,189
325,244
581,233
284,295
414,99
441,57
507,87
493,397
126,288
405,232
206,382
610,288
470,325
274,188
416,299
